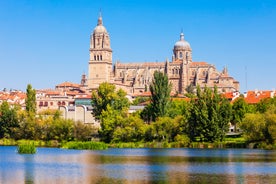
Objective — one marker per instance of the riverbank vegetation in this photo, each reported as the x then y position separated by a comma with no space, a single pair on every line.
85,145
203,119
200,121
26,147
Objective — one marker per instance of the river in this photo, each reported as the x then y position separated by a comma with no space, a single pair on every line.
54,165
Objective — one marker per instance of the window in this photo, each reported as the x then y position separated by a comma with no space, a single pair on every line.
98,57
95,58
101,58
180,55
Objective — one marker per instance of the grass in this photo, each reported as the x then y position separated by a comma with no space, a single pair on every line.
89,145
26,148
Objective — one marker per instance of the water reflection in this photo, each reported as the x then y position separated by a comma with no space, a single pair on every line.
28,168
52,165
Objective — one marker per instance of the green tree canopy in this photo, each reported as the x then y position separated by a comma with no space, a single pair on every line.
30,101
8,120
160,89
239,109
107,95
260,126
209,116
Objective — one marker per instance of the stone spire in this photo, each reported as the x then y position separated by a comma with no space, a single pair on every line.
100,19
182,36
225,70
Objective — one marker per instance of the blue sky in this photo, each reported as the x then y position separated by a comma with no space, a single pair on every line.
45,43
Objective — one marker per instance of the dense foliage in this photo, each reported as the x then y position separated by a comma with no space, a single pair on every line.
106,95
8,120
30,101
210,116
261,125
160,89
204,118
16,124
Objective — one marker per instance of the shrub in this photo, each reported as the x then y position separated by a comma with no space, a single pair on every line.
28,148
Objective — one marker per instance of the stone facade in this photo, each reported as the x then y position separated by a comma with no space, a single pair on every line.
100,62
136,77
80,113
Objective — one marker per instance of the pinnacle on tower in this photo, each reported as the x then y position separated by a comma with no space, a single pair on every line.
181,35
100,19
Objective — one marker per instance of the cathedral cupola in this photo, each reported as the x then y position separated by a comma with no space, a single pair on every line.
182,43
100,28
182,49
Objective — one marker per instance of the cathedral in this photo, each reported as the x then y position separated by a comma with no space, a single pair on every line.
135,78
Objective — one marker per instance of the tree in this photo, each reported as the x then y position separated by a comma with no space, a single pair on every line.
179,107
8,120
30,101
270,131
190,89
130,129
260,126
239,109
106,95
110,118
253,126
225,115
160,89
210,115
84,132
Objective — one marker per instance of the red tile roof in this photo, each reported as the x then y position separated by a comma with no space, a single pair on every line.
253,97
68,84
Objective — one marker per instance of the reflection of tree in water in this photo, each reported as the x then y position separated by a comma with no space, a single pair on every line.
29,168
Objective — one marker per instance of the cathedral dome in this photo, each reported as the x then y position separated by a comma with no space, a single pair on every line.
182,44
100,28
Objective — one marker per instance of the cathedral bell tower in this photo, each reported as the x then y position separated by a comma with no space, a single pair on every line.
100,62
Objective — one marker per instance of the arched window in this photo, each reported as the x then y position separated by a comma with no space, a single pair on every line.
101,57
98,57
172,71
95,58
180,55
